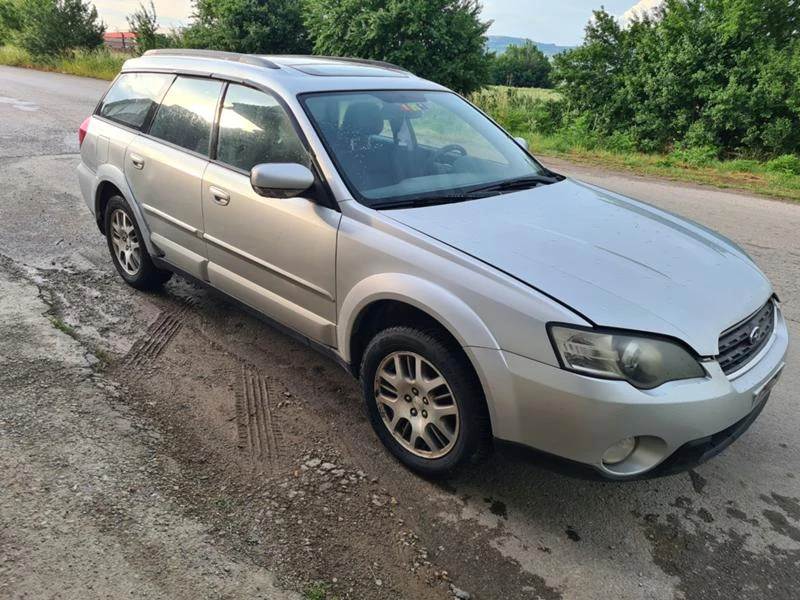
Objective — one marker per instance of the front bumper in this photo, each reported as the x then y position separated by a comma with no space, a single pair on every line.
578,418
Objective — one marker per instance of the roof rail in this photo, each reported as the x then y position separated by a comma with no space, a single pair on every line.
248,59
361,61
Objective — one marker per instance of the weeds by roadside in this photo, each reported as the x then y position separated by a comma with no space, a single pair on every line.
536,114
104,360
64,328
100,64
317,590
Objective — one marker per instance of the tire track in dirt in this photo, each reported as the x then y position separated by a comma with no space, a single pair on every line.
150,346
259,432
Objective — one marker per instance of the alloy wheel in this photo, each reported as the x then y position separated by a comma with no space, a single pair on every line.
127,249
417,405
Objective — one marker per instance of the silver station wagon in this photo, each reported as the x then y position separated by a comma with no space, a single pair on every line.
477,295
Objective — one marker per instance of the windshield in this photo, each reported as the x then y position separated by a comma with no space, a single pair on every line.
417,147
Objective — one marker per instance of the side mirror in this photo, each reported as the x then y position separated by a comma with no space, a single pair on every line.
522,142
281,180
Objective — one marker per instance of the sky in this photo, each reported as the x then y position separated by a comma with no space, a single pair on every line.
540,20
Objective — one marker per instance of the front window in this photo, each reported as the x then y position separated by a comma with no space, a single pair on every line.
398,148
255,129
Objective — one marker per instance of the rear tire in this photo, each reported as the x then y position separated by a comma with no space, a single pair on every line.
127,248
424,400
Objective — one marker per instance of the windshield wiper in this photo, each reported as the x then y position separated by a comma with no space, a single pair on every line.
476,193
518,183
424,201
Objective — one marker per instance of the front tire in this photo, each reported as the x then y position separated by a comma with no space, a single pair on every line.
424,400
127,248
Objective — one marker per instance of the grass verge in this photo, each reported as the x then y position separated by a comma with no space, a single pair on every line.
99,64
535,114
742,175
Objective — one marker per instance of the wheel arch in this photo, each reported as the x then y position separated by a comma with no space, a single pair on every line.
388,300
110,182
391,299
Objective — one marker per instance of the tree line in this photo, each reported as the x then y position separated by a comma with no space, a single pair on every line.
443,40
715,77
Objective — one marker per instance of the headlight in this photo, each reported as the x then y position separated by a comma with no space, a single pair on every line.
644,362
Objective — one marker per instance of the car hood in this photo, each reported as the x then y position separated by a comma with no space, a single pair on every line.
616,261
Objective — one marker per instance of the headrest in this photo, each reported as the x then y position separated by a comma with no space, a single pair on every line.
361,119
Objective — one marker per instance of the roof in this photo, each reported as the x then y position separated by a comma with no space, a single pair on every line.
294,74
118,35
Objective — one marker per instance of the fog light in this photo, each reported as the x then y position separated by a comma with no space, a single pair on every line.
620,451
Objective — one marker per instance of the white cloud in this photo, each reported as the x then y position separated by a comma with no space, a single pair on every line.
643,7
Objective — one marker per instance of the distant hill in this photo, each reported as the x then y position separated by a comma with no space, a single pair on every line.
499,43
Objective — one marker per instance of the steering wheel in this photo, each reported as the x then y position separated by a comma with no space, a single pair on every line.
454,150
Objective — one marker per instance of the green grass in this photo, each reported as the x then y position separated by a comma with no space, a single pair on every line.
525,113
100,64
532,93
317,590
64,328
744,175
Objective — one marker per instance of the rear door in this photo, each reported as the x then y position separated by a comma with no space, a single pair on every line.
165,170
276,254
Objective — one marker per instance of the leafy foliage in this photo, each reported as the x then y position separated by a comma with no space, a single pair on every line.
442,40
723,75
9,20
144,23
51,27
522,66
248,26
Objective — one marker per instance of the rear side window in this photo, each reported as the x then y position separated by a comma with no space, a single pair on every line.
187,114
254,128
134,97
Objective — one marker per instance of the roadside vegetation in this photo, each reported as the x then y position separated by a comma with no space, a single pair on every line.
100,64
699,90
529,113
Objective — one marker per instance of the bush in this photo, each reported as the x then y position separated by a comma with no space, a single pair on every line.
682,75
621,143
788,163
701,156
51,27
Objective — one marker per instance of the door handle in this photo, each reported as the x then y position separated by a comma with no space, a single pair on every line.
137,161
219,196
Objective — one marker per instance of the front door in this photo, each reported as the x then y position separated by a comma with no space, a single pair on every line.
277,255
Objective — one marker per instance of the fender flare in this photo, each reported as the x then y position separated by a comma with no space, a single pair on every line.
448,309
108,173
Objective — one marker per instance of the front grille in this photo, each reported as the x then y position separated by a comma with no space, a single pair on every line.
743,341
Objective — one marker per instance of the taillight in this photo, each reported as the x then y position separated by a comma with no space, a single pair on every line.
83,130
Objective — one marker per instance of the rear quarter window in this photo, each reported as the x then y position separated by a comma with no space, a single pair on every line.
134,98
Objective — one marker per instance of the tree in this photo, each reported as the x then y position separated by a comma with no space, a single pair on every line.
522,66
49,27
9,20
144,23
248,26
721,75
442,40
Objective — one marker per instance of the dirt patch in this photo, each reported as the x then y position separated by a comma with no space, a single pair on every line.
718,566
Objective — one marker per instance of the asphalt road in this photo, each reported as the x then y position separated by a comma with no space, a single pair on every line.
509,529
